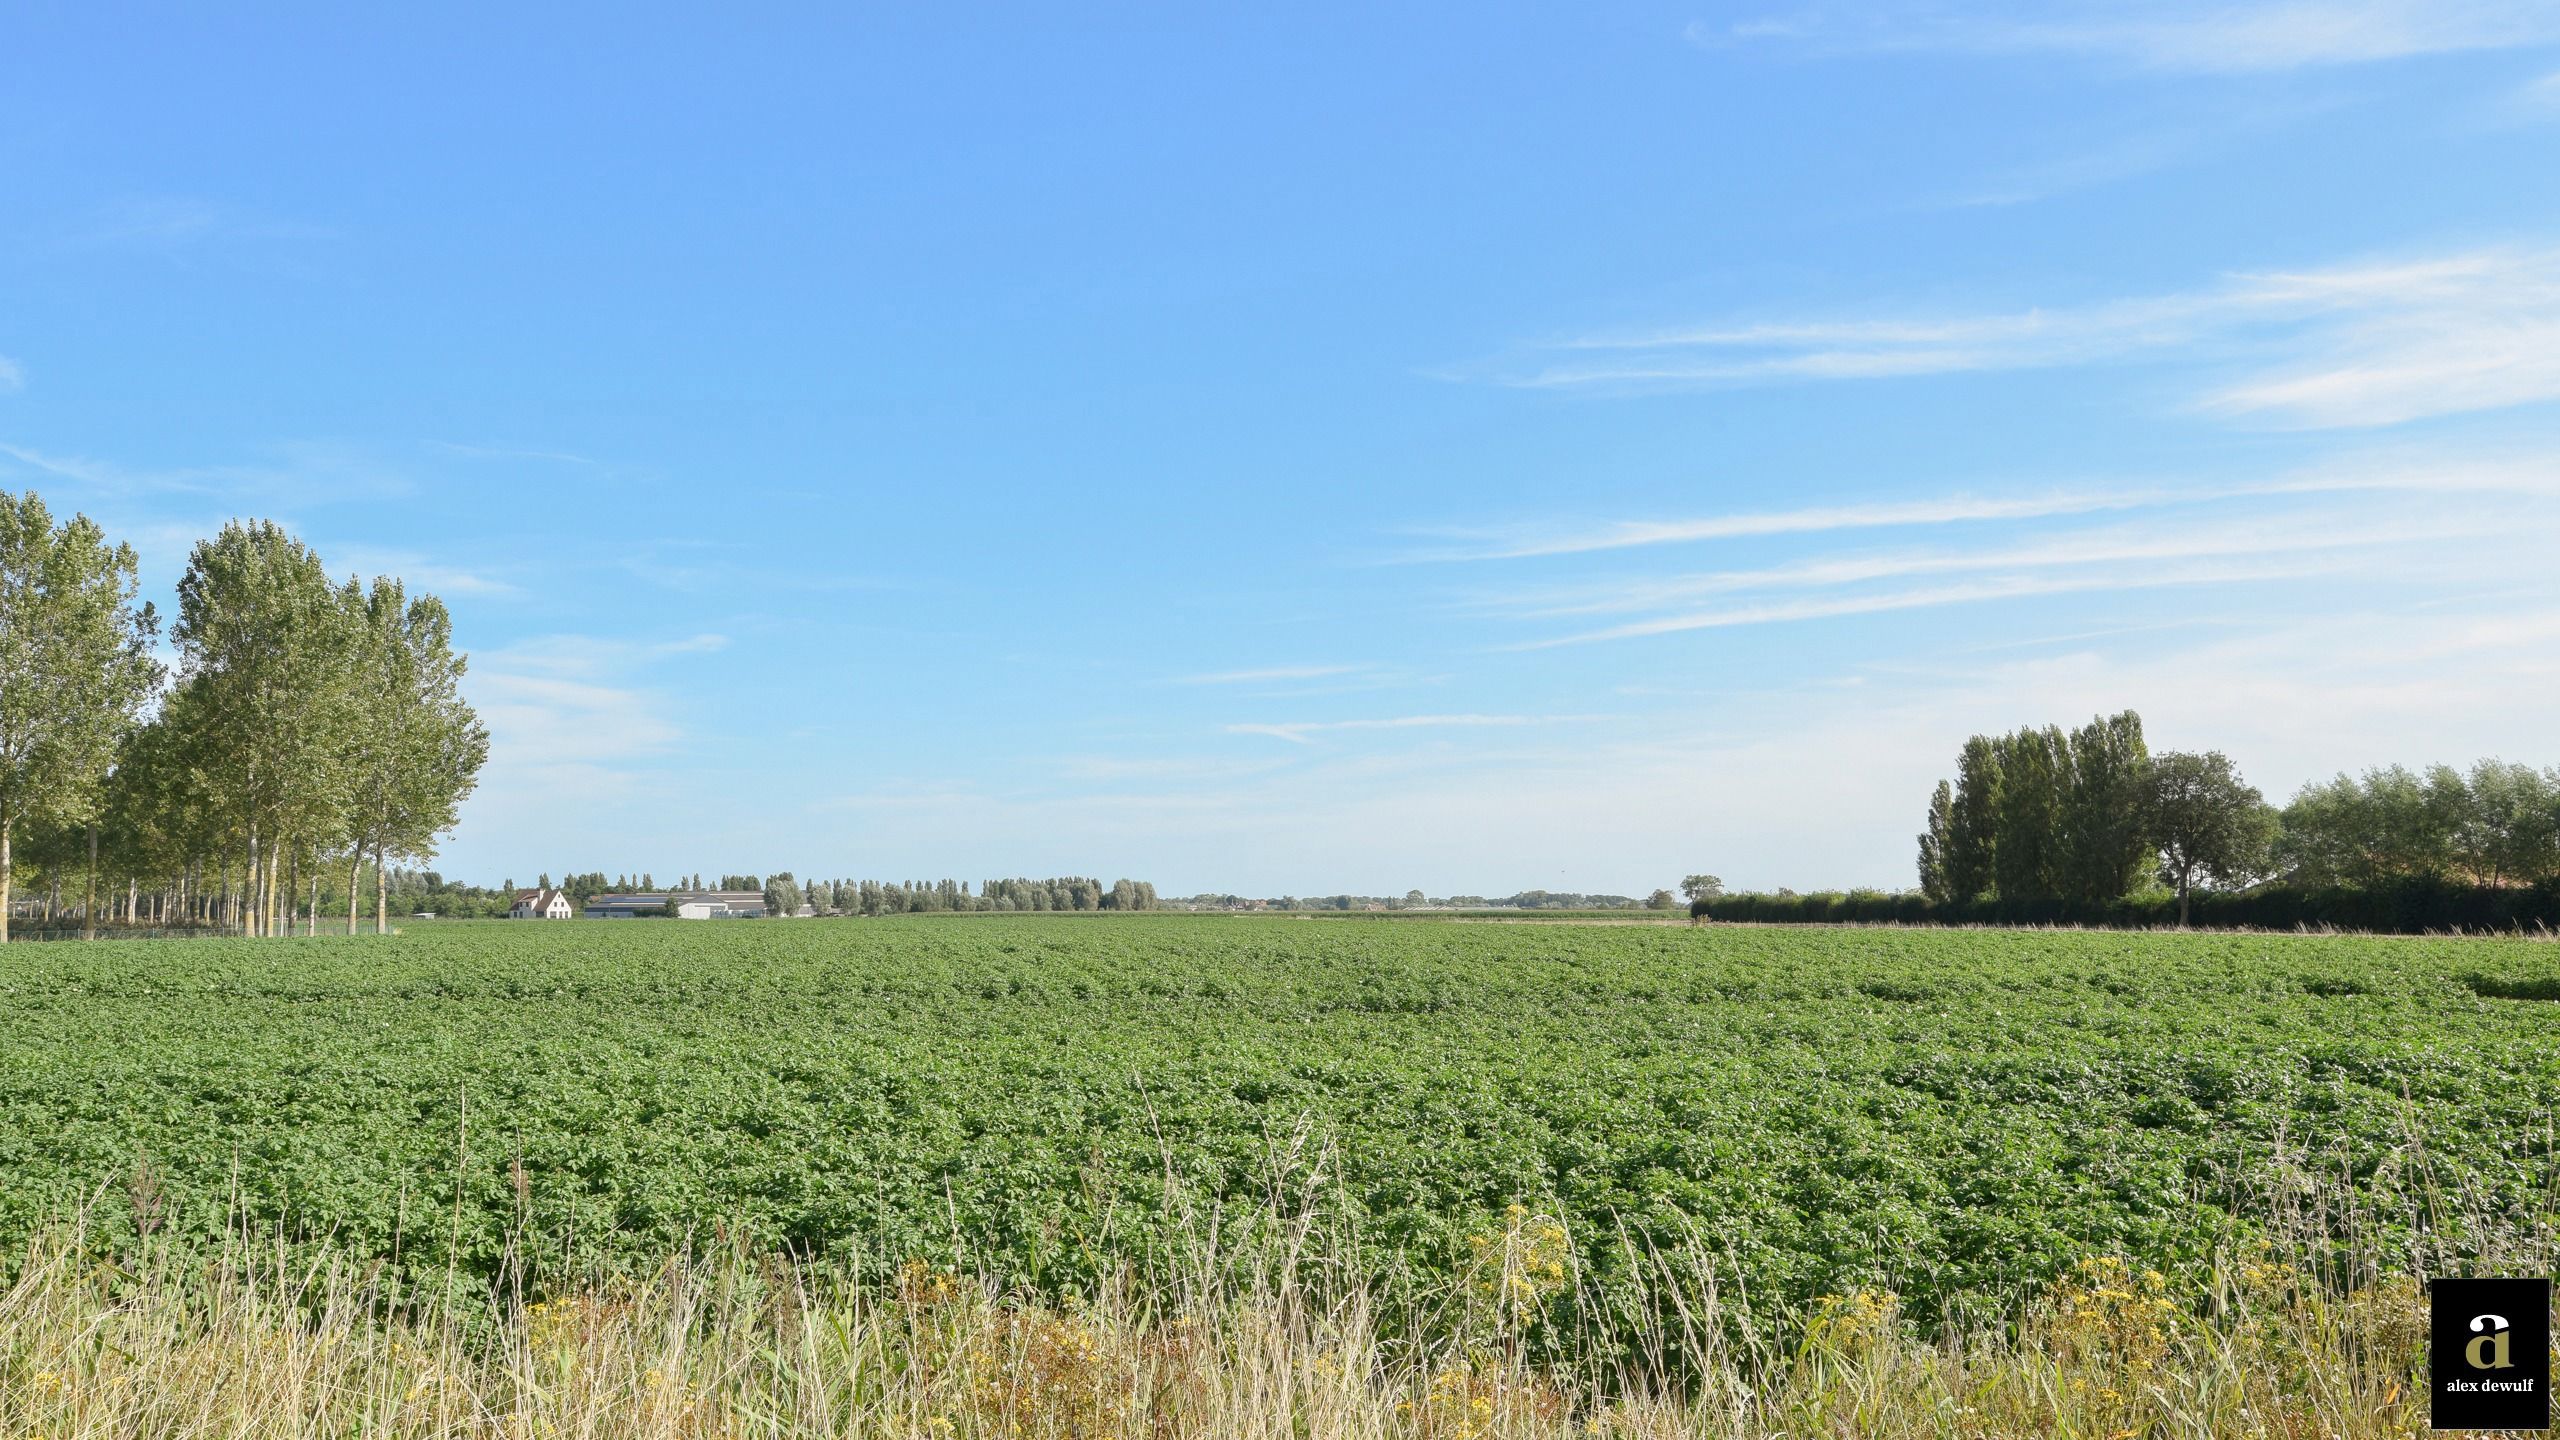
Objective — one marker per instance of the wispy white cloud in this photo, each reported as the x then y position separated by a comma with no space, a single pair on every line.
495,452
1267,674
2107,632
85,471
2409,367
1302,732
572,717
1628,534
415,571
703,644
2206,124
168,222
2195,36
13,376
2124,159
2397,514
295,472
2010,587
2431,474
2363,344
2079,550
594,655
1160,769
552,738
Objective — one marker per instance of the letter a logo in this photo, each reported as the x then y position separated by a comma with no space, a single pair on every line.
2491,1351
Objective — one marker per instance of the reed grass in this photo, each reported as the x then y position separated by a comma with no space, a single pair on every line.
2302,1332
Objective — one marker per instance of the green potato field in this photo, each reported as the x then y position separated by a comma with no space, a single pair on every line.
1950,1114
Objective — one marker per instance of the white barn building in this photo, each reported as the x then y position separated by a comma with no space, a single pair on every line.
690,905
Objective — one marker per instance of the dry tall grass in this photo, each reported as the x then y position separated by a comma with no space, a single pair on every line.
256,1344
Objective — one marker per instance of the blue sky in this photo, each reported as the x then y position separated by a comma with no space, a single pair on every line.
1326,449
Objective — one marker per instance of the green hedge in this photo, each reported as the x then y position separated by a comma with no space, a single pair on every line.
2411,906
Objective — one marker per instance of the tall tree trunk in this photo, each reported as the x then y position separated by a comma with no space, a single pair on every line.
2182,902
4,877
355,872
89,902
293,894
248,885
381,895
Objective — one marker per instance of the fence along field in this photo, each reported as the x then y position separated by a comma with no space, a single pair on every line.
1949,1115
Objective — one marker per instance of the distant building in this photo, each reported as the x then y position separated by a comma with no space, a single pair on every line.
541,905
690,905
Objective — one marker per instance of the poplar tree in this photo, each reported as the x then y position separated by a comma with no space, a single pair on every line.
262,641
75,669
1933,845
415,746
1973,822
2028,859
2103,849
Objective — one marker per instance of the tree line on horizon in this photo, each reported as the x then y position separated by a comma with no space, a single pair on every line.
309,726
2057,821
785,894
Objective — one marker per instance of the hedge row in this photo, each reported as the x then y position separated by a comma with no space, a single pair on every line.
2410,906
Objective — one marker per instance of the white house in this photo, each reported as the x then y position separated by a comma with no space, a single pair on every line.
541,905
